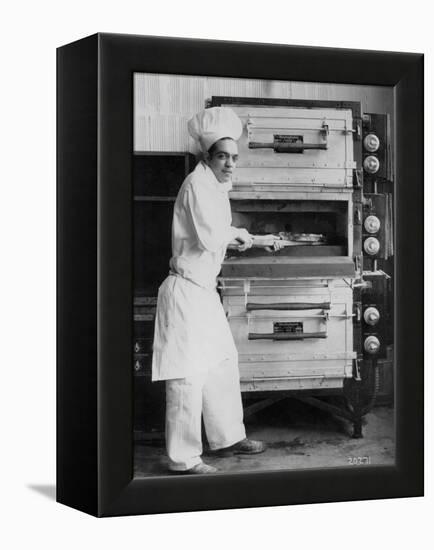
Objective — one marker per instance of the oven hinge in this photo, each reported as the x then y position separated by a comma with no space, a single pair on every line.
358,265
357,215
357,123
357,179
356,370
357,312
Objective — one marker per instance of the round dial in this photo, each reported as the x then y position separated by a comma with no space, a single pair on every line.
372,344
371,143
371,164
371,246
372,224
371,316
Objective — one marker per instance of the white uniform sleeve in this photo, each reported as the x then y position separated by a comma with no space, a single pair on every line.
210,224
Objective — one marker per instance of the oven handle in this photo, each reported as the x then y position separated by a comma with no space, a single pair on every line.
281,378
285,335
287,147
294,306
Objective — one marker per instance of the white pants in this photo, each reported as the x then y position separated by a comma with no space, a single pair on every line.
216,395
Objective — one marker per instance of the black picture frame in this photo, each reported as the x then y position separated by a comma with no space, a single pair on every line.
95,263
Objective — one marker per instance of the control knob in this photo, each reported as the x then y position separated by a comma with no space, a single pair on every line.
372,224
371,315
371,246
371,164
371,143
372,344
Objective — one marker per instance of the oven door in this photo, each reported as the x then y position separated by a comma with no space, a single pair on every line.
297,147
291,335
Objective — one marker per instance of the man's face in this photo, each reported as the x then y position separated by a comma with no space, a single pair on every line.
223,159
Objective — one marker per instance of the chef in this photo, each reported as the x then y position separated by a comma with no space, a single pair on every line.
194,351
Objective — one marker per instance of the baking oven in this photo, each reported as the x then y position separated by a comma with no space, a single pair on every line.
307,313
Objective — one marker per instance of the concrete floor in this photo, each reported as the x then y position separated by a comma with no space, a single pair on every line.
298,436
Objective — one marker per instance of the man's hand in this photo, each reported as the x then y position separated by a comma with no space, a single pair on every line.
277,245
244,240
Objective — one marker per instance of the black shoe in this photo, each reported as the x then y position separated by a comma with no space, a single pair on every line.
244,447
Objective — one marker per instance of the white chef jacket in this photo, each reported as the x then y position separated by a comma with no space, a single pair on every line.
191,329
201,227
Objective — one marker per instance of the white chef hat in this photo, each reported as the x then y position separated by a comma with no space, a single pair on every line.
213,124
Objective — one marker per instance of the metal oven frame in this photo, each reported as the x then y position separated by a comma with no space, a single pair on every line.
359,384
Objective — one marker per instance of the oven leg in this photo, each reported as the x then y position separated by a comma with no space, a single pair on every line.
355,402
361,392
357,428
353,396
357,410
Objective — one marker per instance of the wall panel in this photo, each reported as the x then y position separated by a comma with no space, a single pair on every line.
164,103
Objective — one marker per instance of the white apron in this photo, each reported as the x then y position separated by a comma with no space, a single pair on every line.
192,333
191,329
